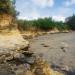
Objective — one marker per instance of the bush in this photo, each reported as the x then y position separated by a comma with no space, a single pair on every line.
61,26
44,24
70,21
7,7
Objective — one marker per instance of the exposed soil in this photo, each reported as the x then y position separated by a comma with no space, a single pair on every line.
57,49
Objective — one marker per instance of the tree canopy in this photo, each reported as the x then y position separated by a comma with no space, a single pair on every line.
70,21
7,7
43,24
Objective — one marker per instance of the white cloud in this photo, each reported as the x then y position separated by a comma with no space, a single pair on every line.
73,1
59,18
35,15
22,17
32,11
43,3
70,2
32,15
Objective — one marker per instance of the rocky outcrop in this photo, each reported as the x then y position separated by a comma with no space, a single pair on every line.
12,47
5,20
38,67
41,67
12,44
15,58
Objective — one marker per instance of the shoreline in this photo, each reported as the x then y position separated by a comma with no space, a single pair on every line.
51,47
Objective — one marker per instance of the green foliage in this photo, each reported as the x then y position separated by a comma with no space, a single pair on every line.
7,6
44,24
70,21
40,24
24,24
61,26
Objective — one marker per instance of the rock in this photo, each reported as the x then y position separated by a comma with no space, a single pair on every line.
27,66
12,41
23,57
20,70
62,68
5,69
28,73
65,68
64,49
44,45
18,55
64,46
55,67
41,67
5,21
9,58
12,45
2,58
28,53
29,60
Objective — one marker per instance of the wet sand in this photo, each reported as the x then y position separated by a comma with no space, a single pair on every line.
57,49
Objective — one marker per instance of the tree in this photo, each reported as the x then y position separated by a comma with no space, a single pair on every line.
7,7
45,24
70,21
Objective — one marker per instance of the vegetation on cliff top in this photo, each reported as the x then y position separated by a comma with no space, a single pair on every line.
7,7
42,24
70,21
47,24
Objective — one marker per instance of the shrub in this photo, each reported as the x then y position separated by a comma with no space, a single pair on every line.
70,21
42,24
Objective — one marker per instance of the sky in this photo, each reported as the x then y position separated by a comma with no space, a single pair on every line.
34,9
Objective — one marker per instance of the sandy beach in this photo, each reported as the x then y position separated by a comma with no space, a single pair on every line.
57,48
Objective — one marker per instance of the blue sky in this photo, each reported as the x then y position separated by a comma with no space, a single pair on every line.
34,9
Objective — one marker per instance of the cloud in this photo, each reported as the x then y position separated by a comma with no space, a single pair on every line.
59,18
34,9
70,2
33,14
27,10
43,3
